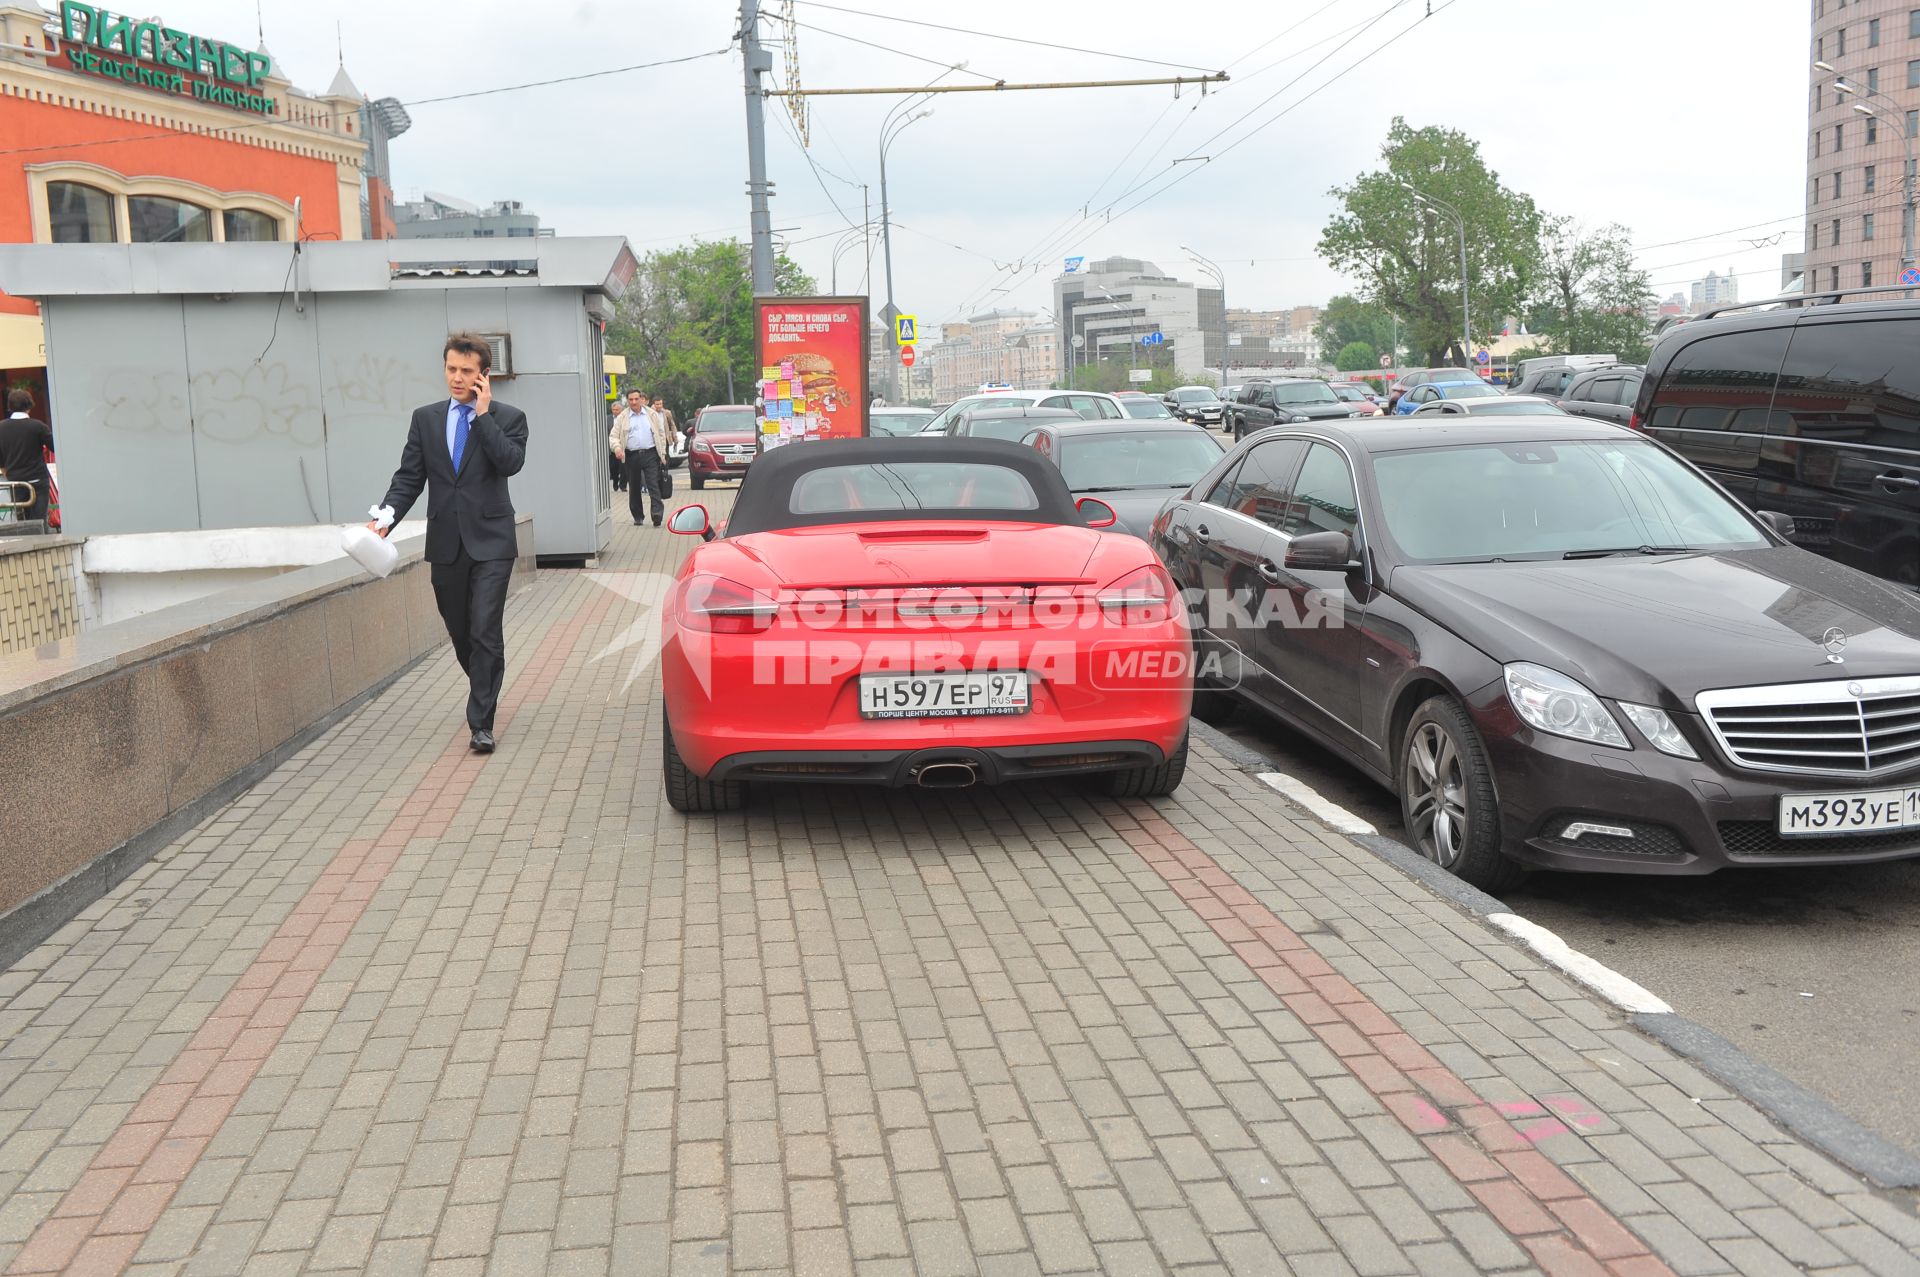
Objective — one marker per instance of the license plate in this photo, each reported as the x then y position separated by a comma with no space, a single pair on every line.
943,695
1874,812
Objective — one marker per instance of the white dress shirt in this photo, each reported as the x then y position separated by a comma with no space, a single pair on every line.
640,430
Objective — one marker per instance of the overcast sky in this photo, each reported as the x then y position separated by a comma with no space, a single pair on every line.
1678,118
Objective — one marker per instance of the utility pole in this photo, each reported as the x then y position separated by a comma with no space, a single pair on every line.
756,61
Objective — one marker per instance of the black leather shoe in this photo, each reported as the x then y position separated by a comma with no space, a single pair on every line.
482,743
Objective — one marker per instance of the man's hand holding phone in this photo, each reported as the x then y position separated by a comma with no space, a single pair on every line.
482,395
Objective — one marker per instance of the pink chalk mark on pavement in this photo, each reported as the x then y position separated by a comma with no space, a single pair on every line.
1545,1124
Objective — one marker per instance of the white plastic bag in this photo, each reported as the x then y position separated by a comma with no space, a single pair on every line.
370,550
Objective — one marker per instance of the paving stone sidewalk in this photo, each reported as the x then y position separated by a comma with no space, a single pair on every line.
400,1009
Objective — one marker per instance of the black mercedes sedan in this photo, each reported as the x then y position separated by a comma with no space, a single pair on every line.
1560,644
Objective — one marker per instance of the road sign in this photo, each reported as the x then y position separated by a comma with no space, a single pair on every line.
889,313
1910,276
1073,265
1386,361
1078,341
1153,339
1140,374
903,330
906,356
1233,339
1483,357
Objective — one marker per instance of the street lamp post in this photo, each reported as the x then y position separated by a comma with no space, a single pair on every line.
1841,85
1219,277
1133,342
840,247
1466,317
886,227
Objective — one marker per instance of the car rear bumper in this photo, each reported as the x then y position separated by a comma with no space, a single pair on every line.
707,468
901,767
1686,817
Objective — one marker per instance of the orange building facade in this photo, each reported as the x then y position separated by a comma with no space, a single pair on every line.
122,130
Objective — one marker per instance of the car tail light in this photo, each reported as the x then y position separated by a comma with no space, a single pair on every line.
1633,421
721,606
1143,597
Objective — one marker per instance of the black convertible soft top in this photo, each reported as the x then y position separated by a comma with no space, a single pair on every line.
765,503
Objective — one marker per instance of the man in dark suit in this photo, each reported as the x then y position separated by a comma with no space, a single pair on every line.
25,441
462,451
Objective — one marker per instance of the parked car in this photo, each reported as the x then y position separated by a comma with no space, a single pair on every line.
1560,644
1197,404
1549,375
1260,404
1145,408
1090,404
1004,421
1605,394
1490,406
724,443
897,421
1348,392
1132,466
1421,376
1435,391
1809,411
833,549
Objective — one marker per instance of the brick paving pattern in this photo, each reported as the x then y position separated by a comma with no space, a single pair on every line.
400,1009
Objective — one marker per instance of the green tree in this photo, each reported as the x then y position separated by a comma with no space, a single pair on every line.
687,322
1110,374
1406,251
1356,356
1589,296
1346,320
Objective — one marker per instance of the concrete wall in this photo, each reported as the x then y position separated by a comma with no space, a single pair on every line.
114,742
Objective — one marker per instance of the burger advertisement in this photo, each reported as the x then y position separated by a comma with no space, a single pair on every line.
813,369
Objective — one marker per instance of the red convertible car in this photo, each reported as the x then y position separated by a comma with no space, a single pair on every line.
918,612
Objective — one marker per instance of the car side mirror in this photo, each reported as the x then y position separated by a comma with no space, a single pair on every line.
1096,512
1322,552
691,521
1780,523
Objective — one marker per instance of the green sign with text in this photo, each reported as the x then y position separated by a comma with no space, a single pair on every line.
155,56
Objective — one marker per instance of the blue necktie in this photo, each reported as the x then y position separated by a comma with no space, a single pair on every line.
465,413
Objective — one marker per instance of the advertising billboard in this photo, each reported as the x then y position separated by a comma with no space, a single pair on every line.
813,369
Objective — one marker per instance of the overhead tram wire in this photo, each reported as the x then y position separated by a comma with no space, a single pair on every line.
917,57
1070,227
165,134
1010,39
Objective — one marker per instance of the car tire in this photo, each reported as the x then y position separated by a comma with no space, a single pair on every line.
698,481
1443,763
688,792
1150,782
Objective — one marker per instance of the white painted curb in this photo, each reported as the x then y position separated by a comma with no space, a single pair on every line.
1303,795
1603,980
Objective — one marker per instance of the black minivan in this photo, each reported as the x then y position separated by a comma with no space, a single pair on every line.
1813,411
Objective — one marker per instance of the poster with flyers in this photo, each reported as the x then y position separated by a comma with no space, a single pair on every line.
813,369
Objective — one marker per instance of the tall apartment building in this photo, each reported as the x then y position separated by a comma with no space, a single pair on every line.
1855,160
1715,290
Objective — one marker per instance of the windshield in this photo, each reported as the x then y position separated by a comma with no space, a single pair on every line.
1452,374
934,485
725,419
987,426
896,421
1349,394
959,406
1468,391
1543,500
1501,407
1145,409
1141,459
1195,394
1305,392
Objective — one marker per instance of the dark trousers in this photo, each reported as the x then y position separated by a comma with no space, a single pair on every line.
472,595
38,510
619,469
643,482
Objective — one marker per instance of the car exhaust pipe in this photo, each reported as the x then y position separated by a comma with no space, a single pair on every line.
947,776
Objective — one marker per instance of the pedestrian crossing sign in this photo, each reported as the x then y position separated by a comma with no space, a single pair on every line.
903,330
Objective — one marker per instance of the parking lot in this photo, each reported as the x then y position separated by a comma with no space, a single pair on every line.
404,1009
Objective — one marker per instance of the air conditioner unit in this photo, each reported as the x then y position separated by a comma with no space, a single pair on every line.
502,347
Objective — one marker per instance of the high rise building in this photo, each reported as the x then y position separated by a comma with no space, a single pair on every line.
1715,290
1111,304
1859,114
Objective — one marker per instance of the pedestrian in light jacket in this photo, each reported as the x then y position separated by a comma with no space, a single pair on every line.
640,438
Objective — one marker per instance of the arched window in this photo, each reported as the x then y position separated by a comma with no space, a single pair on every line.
80,214
155,219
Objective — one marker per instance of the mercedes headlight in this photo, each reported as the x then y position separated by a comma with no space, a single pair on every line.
1551,702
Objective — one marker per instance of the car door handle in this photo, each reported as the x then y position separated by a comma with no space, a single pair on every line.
1200,532
1268,571
1894,479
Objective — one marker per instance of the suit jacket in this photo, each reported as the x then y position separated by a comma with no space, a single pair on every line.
470,508
664,430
